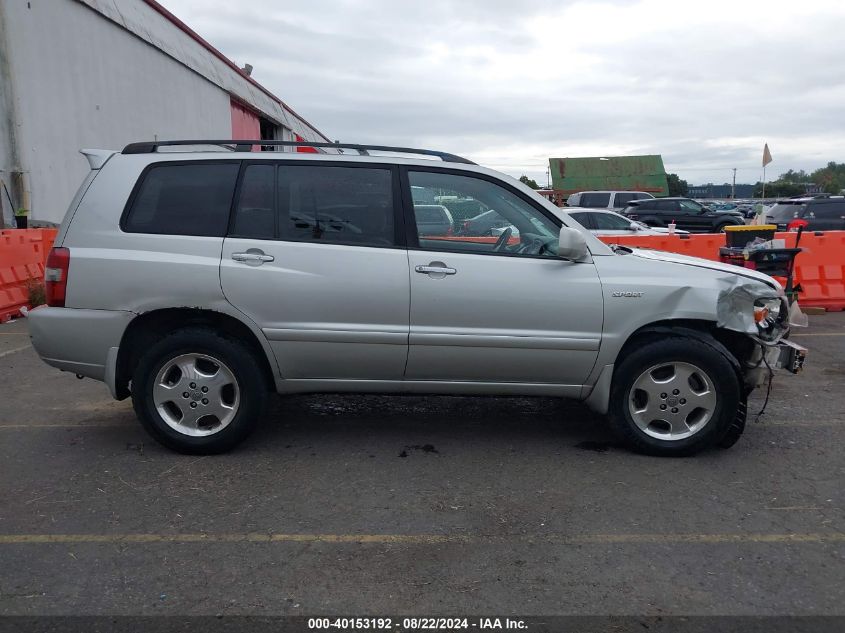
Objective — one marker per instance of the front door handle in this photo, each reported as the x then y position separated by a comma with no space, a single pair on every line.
253,257
436,268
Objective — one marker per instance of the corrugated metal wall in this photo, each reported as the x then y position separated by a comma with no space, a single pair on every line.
614,173
79,78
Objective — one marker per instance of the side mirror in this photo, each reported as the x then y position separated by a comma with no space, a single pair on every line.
571,244
635,227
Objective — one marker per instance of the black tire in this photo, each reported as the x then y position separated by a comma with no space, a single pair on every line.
736,427
238,357
720,228
718,368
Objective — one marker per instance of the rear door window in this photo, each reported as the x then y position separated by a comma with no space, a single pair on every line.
666,206
183,199
611,222
255,213
594,200
622,199
584,219
337,205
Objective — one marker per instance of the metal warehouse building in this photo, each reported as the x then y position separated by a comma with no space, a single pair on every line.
103,73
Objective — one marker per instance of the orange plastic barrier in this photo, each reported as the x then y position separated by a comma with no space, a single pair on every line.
23,254
819,268
704,245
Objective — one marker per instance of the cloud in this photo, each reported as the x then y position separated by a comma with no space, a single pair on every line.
510,84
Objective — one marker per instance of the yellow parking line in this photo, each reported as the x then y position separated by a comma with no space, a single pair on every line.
819,334
420,539
14,333
13,350
60,426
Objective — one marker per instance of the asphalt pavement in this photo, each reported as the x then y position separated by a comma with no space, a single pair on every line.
436,505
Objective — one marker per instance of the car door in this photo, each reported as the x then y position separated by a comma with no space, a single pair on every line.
314,256
500,310
694,217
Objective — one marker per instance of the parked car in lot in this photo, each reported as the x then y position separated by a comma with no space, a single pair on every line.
610,223
605,199
434,219
198,282
687,214
814,214
487,223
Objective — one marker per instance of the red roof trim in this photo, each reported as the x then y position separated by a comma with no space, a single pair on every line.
205,44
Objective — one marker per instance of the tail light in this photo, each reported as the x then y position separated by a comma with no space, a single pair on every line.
55,276
794,225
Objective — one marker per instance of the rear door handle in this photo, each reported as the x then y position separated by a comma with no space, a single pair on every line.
442,270
253,257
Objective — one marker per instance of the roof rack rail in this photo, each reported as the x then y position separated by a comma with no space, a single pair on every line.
240,145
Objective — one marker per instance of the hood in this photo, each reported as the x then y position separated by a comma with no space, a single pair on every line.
675,258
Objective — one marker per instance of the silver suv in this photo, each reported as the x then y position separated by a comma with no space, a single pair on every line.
197,277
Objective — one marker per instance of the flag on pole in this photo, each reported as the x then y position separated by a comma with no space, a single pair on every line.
767,155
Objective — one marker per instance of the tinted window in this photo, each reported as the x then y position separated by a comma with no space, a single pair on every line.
255,214
339,205
611,222
584,219
594,200
622,199
642,196
522,229
783,212
187,199
688,206
666,205
431,214
828,211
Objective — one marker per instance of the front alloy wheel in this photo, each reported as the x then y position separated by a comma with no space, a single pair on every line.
677,395
672,401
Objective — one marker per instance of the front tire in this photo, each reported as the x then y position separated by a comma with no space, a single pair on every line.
675,397
198,392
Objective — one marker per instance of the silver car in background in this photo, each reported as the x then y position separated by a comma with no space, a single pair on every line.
197,282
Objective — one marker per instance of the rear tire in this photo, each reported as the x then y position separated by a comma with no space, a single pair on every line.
676,397
199,393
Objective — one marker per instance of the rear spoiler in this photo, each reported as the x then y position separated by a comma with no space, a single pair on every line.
97,157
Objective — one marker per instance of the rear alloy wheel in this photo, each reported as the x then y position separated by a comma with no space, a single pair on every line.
198,392
675,396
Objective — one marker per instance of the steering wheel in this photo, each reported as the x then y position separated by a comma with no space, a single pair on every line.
545,247
502,242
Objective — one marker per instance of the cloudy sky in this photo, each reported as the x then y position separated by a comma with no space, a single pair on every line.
509,84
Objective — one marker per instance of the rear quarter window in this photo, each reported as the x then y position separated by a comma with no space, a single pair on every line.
183,199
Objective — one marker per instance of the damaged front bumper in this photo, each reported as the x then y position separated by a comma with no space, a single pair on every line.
762,313
768,358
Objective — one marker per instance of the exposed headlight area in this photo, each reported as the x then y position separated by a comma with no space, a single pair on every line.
770,317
